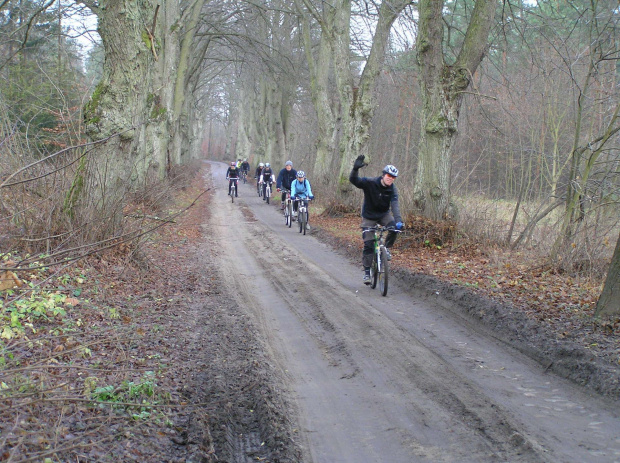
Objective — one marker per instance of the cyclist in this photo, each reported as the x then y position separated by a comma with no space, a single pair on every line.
380,195
285,178
300,189
259,171
266,177
238,163
232,174
257,174
245,166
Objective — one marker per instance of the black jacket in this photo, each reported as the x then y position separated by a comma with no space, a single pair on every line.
378,199
232,172
285,178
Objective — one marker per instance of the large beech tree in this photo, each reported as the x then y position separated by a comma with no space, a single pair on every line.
442,84
139,111
357,95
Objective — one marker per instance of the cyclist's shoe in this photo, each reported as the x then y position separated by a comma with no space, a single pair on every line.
389,254
366,279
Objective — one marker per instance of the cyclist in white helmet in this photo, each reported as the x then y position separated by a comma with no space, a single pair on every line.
259,170
300,189
267,176
380,207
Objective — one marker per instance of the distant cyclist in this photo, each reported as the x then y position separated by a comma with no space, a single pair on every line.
285,178
232,174
245,166
380,195
300,189
259,171
267,176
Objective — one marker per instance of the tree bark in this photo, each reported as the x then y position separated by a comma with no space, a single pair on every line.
442,86
358,102
327,110
120,106
608,304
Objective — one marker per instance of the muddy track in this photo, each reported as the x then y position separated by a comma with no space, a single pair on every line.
353,377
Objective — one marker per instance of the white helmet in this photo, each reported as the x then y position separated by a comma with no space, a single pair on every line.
391,170
260,164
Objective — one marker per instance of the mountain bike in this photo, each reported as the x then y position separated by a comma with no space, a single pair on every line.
233,189
244,176
267,192
380,265
302,214
288,208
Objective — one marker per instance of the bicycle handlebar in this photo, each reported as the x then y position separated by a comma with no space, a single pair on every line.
381,228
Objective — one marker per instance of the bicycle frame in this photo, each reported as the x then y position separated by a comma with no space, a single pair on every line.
235,185
380,266
288,208
302,214
268,191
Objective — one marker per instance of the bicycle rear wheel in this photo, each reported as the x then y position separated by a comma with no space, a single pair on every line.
383,274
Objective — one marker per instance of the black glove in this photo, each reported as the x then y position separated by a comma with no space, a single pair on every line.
359,162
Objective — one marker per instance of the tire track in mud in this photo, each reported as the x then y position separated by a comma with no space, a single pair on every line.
442,399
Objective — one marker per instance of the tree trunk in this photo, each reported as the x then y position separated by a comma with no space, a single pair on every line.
119,107
442,88
608,304
319,69
358,102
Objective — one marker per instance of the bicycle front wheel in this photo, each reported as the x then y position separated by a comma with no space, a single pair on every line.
304,218
374,272
267,194
383,274
289,214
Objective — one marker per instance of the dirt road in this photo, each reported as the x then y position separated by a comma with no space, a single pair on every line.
395,379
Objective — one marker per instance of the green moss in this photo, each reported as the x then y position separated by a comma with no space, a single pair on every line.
77,187
436,124
90,108
157,112
146,39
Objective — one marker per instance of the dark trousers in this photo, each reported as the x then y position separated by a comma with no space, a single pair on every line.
369,237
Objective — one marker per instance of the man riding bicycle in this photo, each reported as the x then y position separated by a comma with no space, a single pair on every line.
245,166
259,171
285,178
266,177
380,195
300,189
232,175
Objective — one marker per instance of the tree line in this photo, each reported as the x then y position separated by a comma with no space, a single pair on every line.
507,101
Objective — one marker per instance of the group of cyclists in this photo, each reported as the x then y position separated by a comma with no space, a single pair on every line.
380,204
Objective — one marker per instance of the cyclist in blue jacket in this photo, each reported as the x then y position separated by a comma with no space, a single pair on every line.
300,189
380,196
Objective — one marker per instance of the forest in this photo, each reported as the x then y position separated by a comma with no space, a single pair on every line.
501,117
